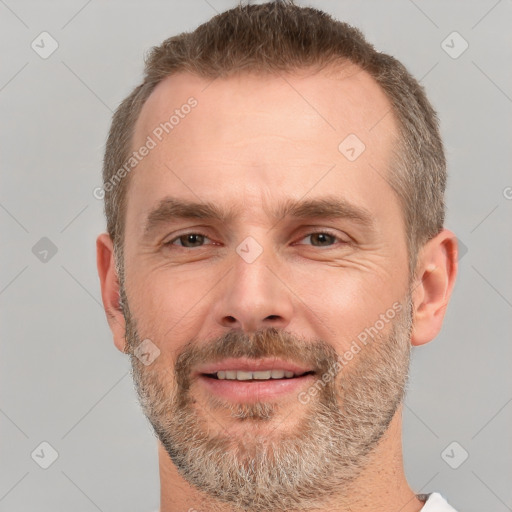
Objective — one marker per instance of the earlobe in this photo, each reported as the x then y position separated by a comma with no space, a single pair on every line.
110,289
436,271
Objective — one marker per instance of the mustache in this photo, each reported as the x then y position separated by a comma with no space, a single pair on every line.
264,343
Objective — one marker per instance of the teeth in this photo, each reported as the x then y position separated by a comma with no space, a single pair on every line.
259,375
262,375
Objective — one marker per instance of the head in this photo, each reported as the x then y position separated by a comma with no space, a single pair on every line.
268,126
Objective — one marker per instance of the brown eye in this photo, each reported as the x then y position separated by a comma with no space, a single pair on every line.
322,239
189,240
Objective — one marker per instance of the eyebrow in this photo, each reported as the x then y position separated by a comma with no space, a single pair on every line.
170,209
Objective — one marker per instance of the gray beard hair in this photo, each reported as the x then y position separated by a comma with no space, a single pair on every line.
278,471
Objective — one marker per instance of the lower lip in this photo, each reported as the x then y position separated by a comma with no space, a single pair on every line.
254,391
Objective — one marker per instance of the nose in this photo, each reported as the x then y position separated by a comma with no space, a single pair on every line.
254,295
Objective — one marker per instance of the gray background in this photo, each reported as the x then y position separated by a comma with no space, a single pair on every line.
63,381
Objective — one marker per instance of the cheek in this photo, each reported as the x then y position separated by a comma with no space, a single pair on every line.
345,301
167,303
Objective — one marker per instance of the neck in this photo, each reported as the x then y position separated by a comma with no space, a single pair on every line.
381,486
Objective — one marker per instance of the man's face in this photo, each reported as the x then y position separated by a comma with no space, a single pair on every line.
261,290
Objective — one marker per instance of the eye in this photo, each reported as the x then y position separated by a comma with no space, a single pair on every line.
188,240
191,240
323,239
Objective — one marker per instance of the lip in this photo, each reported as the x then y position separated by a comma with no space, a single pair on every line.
255,391
252,365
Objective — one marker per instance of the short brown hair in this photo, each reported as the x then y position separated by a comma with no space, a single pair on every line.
278,37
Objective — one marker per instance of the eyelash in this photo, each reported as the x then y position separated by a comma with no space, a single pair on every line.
323,232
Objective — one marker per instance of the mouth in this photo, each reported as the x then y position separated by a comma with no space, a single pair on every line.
249,380
260,375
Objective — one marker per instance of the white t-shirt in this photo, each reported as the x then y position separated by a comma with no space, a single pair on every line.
435,503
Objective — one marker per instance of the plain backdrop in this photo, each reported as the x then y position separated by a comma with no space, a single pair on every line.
62,380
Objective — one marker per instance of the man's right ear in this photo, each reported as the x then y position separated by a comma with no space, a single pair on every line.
110,289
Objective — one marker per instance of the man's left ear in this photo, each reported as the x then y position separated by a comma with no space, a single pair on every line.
436,269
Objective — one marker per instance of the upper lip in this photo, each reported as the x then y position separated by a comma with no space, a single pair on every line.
251,365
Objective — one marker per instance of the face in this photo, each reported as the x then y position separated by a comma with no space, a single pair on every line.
266,259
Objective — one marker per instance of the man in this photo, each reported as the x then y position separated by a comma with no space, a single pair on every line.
274,202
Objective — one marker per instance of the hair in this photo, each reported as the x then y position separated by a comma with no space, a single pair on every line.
279,37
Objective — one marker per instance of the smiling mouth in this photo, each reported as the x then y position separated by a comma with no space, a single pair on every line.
255,376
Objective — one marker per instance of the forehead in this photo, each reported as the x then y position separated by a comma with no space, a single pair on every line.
337,99
249,134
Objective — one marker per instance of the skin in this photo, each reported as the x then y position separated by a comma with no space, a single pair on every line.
253,141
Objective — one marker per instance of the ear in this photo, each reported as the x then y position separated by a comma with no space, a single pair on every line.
436,270
110,289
